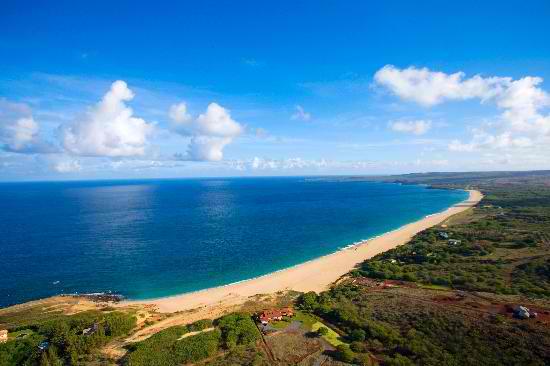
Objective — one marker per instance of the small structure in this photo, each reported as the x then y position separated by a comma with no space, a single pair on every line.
443,235
3,335
522,312
44,345
91,330
274,314
454,242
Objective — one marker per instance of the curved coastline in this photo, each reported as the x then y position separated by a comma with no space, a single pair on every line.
313,275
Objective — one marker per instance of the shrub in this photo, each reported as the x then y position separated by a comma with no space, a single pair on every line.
358,335
322,331
237,329
308,301
344,353
359,347
199,325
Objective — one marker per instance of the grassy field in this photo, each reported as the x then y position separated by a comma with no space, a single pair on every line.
331,337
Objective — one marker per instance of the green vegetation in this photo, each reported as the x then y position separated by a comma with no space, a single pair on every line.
403,331
305,318
71,339
247,355
328,334
504,248
281,324
502,251
168,347
322,331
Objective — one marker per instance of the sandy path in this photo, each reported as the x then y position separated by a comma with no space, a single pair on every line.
315,275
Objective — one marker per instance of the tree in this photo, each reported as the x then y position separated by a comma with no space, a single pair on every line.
358,335
344,353
399,360
308,301
322,331
358,347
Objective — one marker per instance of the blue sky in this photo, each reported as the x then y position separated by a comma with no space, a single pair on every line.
176,89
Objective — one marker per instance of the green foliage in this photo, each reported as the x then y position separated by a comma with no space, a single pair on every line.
237,329
157,349
358,335
308,301
67,343
199,325
398,360
243,356
358,347
322,331
197,347
420,333
344,353
167,347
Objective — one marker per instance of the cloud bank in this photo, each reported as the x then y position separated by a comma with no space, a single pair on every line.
522,123
418,127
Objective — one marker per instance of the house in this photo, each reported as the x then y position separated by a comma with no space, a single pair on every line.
274,314
443,235
521,312
454,242
91,330
3,335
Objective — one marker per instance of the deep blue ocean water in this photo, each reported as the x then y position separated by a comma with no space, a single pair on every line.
153,238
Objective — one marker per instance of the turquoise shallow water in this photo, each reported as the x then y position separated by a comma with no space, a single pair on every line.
154,238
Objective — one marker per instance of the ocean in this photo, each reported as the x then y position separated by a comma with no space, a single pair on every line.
153,238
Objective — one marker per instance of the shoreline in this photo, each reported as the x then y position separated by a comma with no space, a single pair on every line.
314,275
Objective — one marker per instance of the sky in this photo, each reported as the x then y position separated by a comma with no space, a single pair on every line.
130,89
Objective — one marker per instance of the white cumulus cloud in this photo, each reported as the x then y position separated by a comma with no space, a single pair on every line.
19,132
522,124
210,132
418,127
429,88
178,114
109,128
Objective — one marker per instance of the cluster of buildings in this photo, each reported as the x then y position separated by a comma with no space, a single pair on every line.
267,316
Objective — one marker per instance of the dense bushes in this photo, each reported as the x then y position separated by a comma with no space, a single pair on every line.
472,265
67,342
197,347
405,333
237,329
168,347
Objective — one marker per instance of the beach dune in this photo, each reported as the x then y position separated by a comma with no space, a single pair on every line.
315,275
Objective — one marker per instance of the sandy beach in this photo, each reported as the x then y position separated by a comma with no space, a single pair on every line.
315,275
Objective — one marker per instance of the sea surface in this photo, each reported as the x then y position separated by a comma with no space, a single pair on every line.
154,238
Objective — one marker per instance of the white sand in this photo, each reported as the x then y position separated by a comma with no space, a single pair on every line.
315,275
